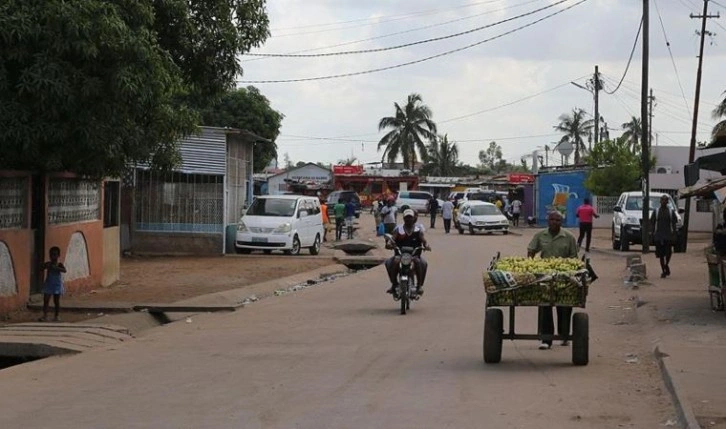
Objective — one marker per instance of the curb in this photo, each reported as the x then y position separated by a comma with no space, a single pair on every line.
683,408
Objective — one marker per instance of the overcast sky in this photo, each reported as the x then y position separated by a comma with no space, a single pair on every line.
331,119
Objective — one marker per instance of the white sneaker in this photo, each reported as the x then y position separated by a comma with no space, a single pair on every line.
544,346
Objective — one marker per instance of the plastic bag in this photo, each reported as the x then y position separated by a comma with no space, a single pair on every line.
380,230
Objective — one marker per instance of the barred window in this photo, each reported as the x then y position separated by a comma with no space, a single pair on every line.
13,202
703,205
73,200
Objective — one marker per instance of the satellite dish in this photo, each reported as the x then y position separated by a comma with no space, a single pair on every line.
565,148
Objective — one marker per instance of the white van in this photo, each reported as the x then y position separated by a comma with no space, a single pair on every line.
281,222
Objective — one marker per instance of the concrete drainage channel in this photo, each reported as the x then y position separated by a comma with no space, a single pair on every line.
28,342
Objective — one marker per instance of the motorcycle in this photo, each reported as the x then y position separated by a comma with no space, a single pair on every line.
406,290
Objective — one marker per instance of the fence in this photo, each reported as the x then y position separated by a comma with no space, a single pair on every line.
13,202
179,202
73,200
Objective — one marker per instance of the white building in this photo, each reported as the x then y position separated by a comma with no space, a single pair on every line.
310,172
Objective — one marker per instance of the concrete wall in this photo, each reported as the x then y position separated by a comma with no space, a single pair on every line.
111,255
178,243
309,172
16,263
81,246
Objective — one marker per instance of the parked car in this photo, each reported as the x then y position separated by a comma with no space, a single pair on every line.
281,222
417,200
628,219
479,216
336,196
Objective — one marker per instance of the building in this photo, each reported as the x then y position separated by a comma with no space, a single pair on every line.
371,182
195,208
310,173
37,212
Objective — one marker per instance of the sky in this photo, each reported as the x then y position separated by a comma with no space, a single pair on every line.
511,86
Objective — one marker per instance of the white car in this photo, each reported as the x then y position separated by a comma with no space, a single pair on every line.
480,216
281,222
628,215
416,200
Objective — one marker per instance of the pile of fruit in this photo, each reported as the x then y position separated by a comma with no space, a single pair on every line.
534,281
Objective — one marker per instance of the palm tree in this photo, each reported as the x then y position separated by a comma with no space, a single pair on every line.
632,132
442,156
576,128
718,135
410,127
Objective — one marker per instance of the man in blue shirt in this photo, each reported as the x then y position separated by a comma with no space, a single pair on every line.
349,215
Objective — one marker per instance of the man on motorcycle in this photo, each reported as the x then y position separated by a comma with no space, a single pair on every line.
407,235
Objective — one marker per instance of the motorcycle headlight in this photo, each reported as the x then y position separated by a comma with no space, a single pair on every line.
241,227
406,259
284,228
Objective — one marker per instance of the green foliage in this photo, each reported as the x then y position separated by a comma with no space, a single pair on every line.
411,128
248,109
616,169
491,158
441,157
575,128
92,86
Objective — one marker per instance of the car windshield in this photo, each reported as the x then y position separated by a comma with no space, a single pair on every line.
481,196
272,207
636,203
484,210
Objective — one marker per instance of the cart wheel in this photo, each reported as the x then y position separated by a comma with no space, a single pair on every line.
493,330
580,339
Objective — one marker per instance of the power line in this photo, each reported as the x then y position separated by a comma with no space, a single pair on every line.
383,36
507,104
406,45
382,19
627,66
419,60
331,140
673,61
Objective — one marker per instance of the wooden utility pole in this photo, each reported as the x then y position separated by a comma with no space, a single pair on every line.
651,99
692,150
645,153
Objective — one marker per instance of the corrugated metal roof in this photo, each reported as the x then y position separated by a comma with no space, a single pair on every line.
203,153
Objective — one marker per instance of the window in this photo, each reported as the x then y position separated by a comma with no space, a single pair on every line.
111,203
419,196
703,205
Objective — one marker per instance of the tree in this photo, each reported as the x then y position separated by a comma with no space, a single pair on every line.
575,127
615,168
248,109
632,131
410,127
718,134
491,158
348,161
441,157
93,86
286,159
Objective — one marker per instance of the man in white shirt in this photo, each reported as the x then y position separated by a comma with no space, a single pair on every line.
516,210
389,216
447,213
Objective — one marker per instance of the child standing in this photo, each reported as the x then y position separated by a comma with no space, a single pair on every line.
53,283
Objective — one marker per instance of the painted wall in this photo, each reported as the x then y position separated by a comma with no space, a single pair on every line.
111,255
178,243
309,172
81,246
16,263
563,192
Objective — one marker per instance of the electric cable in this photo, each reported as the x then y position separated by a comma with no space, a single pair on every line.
411,30
627,66
673,61
406,45
419,60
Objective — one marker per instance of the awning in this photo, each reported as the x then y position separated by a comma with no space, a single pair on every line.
702,189
435,185
715,162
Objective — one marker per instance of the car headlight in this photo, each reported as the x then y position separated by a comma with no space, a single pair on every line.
241,227
284,228
632,220
504,222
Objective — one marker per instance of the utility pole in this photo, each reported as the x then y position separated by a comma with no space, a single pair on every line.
596,90
651,99
645,153
692,150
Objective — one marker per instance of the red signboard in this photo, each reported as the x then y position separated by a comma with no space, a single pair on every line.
521,178
347,169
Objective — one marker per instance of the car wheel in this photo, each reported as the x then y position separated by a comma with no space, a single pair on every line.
505,232
267,251
315,248
471,230
242,251
295,247
624,243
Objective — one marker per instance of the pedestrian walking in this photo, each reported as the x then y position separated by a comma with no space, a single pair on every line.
389,216
326,218
663,223
554,242
349,216
585,213
339,213
516,208
53,285
447,213
433,210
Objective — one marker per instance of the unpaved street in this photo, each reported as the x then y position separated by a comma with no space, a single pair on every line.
339,355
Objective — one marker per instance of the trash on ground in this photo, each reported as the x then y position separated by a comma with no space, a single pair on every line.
189,320
670,422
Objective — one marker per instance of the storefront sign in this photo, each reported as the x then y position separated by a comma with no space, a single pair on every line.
347,169
521,178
